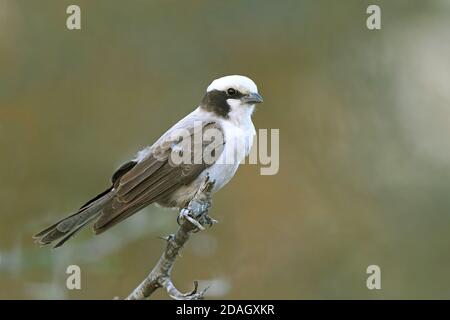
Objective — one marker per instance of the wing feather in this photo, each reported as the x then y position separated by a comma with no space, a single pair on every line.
156,176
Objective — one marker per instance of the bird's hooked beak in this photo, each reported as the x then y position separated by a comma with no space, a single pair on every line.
252,98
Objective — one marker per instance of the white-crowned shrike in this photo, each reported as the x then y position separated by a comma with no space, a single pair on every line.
156,175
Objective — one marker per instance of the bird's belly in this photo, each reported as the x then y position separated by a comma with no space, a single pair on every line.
221,174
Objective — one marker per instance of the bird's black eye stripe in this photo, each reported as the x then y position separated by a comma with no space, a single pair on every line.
231,91
216,101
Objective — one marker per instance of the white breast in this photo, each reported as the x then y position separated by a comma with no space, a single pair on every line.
238,142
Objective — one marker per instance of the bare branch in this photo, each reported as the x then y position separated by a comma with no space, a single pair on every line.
191,220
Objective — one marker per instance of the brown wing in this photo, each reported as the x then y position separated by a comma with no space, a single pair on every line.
158,175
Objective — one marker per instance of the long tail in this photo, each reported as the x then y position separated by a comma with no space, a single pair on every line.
67,227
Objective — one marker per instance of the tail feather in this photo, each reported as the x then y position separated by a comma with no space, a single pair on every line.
70,225
74,231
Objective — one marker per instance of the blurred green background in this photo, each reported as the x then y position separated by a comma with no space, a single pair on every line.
364,119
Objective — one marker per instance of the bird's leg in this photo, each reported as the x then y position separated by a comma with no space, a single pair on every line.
205,219
197,210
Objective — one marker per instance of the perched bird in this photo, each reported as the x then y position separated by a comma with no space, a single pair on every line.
156,174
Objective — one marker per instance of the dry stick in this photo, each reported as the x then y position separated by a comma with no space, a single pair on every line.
159,277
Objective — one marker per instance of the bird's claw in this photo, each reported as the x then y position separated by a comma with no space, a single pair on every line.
197,217
209,220
185,214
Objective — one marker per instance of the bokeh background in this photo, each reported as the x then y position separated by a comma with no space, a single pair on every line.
364,120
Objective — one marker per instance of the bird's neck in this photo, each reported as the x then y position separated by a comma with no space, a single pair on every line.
241,116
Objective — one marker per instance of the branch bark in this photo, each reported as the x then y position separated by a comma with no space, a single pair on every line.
192,220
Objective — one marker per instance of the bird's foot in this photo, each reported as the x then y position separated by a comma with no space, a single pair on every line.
199,221
207,220
196,211
186,214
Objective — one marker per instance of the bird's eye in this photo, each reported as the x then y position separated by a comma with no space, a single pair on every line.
231,92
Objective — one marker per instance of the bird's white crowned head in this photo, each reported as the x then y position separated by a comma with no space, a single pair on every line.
231,93
241,83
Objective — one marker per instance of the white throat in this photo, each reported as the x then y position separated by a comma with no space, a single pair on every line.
240,115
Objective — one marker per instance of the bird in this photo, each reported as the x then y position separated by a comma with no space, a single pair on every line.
156,174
